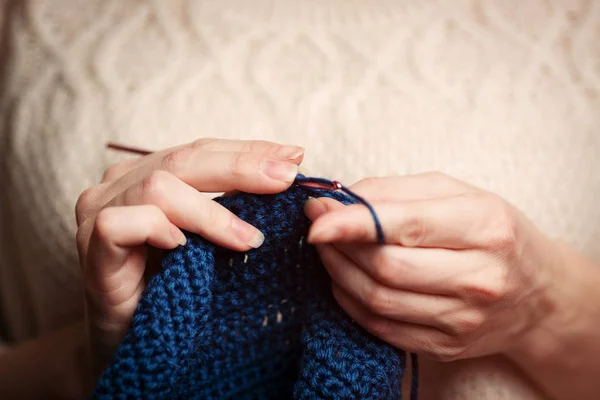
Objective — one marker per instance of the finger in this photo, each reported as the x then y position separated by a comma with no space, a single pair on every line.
263,147
116,232
455,223
425,270
111,311
228,171
89,201
426,185
401,305
407,336
315,207
115,268
275,151
116,171
192,211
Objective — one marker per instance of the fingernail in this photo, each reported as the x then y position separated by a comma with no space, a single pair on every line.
290,152
281,171
247,234
314,208
178,236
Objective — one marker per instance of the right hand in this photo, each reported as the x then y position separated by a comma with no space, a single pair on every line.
145,202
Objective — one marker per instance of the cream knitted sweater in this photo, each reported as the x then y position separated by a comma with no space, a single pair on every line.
503,94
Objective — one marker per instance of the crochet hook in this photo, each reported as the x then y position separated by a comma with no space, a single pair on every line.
128,149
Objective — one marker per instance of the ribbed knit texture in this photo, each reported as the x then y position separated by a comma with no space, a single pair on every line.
219,324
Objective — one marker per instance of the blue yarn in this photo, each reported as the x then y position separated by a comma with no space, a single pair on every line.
219,324
414,385
301,179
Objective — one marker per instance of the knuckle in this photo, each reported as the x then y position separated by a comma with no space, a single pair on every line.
448,353
85,203
496,291
204,144
448,349
376,298
154,186
412,233
215,219
177,159
103,226
470,323
486,291
447,182
467,323
385,268
258,145
239,164
501,232
156,218
491,292
111,172
380,327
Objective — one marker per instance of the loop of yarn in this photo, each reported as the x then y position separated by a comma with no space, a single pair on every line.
220,324
334,185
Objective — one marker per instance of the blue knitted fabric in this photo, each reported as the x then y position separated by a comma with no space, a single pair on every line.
220,324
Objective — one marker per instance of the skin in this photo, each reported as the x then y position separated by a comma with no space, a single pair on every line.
141,206
147,202
463,274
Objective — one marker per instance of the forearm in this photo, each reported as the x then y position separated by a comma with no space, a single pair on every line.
563,355
47,367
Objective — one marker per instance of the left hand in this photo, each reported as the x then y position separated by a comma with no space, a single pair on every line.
462,274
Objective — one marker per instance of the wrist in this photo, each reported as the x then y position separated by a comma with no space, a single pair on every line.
555,352
550,309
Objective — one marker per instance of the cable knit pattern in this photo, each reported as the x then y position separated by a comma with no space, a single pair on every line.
217,324
504,94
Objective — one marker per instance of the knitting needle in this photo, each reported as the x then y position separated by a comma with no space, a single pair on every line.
333,185
128,149
314,183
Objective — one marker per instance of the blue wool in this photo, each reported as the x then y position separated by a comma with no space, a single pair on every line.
333,185
220,324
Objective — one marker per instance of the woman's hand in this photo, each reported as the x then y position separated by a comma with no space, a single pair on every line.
463,273
146,202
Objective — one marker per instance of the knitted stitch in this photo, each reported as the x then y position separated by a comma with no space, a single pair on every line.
220,324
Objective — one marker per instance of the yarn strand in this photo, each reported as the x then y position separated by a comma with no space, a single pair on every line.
414,386
322,183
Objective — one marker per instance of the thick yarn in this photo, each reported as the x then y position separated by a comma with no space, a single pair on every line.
219,324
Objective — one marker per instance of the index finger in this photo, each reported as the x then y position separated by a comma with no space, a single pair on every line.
427,185
227,171
291,153
458,222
